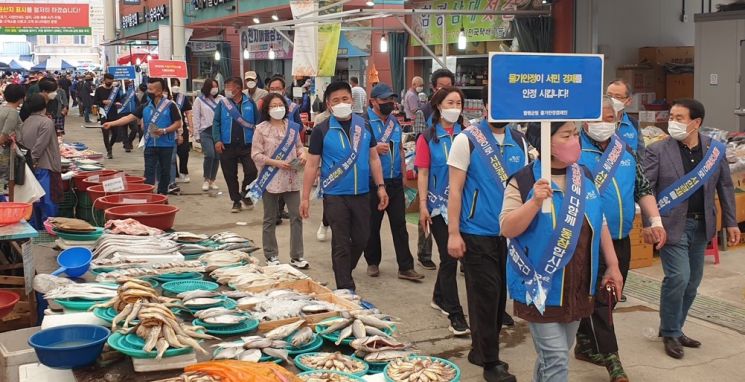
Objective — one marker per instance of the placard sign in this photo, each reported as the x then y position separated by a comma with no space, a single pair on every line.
115,183
122,72
168,69
545,87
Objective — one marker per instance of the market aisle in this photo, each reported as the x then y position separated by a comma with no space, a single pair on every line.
644,360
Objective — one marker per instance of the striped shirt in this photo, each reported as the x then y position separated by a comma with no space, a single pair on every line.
359,100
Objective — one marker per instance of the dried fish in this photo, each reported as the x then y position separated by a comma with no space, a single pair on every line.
284,331
420,369
332,361
302,337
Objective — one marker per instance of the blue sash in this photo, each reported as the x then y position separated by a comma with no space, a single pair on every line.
127,100
440,201
112,97
164,102
235,113
686,186
388,129
180,99
209,102
608,164
268,172
539,272
485,142
336,173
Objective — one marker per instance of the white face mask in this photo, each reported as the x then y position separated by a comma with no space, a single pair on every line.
678,130
52,95
342,110
450,115
214,91
601,131
277,112
251,84
175,89
419,89
276,92
228,93
618,105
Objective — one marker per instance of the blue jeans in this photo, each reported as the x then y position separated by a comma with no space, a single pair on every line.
211,157
683,264
552,342
158,161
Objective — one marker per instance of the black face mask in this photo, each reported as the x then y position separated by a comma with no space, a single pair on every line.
89,79
151,95
498,125
386,108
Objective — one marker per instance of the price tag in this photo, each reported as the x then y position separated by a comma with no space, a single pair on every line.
113,185
134,201
92,179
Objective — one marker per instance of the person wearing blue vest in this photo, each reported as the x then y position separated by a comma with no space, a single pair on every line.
687,171
126,105
620,180
162,120
553,257
481,159
628,130
432,150
233,130
387,135
344,148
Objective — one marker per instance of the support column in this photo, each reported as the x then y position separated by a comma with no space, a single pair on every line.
109,32
178,34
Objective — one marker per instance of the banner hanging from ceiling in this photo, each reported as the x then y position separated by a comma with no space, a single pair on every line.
305,48
44,19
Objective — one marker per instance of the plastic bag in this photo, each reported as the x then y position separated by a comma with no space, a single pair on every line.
31,191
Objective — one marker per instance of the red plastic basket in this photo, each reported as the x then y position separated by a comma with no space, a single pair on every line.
159,216
11,213
8,301
106,202
95,192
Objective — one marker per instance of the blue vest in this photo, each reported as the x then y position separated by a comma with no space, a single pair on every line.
248,111
336,148
482,199
391,162
166,140
438,165
628,132
618,199
536,237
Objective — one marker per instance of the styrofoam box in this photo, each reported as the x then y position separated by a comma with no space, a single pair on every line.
36,372
88,318
142,365
15,351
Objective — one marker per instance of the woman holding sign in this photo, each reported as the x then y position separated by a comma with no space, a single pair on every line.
550,276
278,153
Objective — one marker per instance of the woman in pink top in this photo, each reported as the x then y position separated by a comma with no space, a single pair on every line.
279,154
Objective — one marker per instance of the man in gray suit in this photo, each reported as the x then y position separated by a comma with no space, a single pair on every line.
686,170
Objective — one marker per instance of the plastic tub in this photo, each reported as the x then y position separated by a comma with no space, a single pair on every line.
11,213
130,179
117,200
69,346
97,191
8,301
77,179
74,261
159,216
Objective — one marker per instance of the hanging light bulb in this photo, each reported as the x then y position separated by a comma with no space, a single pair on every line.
370,3
245,54
256,20
138,61
275,17
217,55
148,58
462,39
272,54
383,44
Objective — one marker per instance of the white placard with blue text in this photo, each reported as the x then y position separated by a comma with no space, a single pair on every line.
545,87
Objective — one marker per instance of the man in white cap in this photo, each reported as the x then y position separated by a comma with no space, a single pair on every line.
251,89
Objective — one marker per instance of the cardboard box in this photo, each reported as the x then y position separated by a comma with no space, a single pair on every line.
642,255
638,100
640,77
679,86
662,55
311,319
654,116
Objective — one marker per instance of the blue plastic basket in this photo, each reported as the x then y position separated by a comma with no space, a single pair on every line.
69,346
181,286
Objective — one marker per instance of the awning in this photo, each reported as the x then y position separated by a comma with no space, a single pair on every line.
54,64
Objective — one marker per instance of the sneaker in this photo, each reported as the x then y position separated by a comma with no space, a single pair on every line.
206,186
174,189
323,233
373,271
300,263
437,306
273,261
458,326
410,275
183,178
427,264
615,369
498,374
109,155
213,186
236,207
248,203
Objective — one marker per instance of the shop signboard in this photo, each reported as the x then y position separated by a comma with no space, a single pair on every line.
44,19
478,28
545,87
202,4
122,72
168,69
258,43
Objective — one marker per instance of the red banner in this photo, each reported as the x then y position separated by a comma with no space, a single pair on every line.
168,69
43,18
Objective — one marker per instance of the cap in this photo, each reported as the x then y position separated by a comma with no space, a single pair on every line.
250,75
382,91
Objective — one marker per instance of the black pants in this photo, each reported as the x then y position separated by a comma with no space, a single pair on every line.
182,151
130,136
597,328
446,286
229,159
423,245
397,218
349,218
486,287
109,137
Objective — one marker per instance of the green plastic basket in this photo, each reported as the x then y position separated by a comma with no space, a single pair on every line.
166,277
310,374
454,366
247,326
80,236
309,348
180,286
130,345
